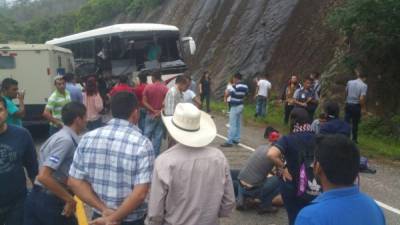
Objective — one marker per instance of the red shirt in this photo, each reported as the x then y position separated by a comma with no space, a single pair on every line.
120,88
155,94
138,90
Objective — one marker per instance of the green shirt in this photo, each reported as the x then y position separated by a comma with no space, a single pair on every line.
56,102
12,109
153,52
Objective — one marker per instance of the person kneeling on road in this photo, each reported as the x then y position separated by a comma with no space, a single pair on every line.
255,182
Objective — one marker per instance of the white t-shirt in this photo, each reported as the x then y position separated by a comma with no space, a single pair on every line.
263,87
228,89
188,96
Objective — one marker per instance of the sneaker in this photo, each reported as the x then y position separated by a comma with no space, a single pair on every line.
270,209
226,145
236,142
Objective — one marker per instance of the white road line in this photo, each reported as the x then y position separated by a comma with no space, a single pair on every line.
381,204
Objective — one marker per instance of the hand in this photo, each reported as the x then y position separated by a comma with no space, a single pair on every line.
103,221
69,208
21,95
157,113
107,212
286,176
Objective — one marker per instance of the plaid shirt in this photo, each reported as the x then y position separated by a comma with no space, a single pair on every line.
113,159
172,99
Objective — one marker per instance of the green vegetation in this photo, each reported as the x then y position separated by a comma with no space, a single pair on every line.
372,143
41,27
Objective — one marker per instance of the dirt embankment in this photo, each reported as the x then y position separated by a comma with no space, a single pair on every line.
251,36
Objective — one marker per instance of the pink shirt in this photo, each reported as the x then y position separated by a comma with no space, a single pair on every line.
94,105
155,94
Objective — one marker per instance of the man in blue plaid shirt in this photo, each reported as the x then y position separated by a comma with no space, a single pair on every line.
112,166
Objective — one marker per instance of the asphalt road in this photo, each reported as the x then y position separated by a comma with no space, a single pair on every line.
384,186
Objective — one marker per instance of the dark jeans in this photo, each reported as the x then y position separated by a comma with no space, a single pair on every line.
261,106
136,222
293,204
207,98
43,208
266,192
142,119
353,117
12,214
288,110
91,125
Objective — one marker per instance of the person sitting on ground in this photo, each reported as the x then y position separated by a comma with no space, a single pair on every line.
334,124
294,147
9,89
316,124
255,180
51,201
121,86
342,202
191,182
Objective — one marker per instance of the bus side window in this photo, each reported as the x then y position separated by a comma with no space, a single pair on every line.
7,62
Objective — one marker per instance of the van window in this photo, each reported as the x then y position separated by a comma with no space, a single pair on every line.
7,62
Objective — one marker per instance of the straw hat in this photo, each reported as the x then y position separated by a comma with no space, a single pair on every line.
190,126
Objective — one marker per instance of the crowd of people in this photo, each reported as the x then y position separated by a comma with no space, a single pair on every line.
117,167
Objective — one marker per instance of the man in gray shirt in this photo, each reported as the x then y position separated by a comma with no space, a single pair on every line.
356,92
50,201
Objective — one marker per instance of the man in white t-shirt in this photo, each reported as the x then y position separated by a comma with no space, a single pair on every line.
190,97
261,96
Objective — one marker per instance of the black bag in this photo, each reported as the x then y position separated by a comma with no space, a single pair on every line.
308,188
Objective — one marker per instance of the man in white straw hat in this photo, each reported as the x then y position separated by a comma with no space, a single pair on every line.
191,181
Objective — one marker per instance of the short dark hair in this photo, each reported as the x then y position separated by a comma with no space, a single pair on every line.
316,74
7,83
332,109
3,100
268,131
69,77
123,79
299,116
156,74
143,78
123,104
182,79
238,76
71,111
308,79
339,158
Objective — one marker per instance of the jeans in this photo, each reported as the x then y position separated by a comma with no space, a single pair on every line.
91,125
288,110
293,204
207,98
235,120
353,117
43,208
154,130
142,119
12,214
136,222
268,191
261,106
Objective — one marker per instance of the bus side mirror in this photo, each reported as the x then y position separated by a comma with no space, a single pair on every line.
189,45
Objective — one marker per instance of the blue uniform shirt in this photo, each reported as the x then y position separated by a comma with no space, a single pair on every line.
343,206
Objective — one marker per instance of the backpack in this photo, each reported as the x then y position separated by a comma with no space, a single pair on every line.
308,187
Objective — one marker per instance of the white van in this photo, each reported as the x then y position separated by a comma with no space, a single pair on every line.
34,66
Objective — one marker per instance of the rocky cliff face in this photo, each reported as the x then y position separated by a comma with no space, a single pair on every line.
253,37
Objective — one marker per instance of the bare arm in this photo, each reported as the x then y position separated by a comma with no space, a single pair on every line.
45,177
48,116
85,192
147,105
275,155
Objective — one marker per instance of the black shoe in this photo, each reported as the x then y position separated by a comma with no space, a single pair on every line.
235,142
271,209
226,145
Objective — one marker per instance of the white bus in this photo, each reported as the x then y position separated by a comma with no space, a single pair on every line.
128,49
34,67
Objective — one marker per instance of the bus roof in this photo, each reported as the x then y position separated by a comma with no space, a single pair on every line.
32,47
114,29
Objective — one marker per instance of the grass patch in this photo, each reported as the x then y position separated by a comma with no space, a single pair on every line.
370,145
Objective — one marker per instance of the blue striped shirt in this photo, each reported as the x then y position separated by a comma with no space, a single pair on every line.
238,93
113,159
